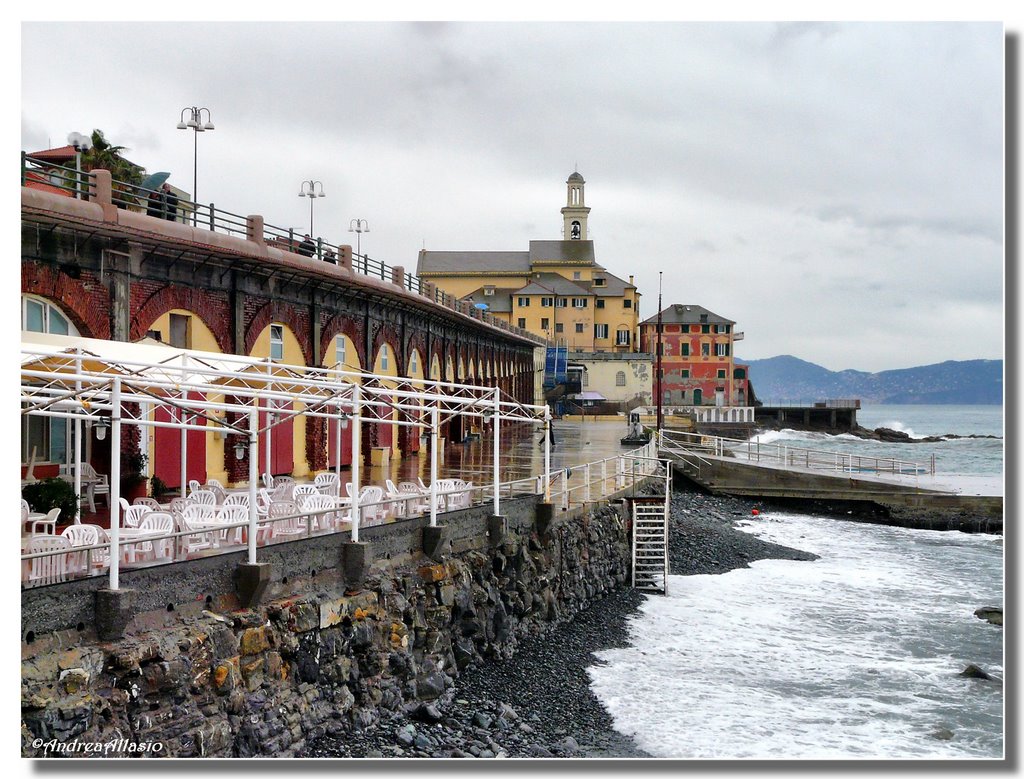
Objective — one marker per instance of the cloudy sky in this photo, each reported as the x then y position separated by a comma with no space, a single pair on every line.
835,188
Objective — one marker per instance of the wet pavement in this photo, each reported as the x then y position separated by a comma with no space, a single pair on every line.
521,457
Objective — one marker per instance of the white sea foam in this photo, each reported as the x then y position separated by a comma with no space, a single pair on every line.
899,427
855,655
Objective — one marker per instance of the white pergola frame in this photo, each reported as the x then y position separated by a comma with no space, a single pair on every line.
84,379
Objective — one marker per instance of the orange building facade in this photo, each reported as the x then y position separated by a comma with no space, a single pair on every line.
698,366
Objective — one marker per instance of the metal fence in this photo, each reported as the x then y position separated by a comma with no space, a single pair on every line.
779,455
576,486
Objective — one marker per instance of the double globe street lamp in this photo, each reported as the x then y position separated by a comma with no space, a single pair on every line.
82,143
310,189
196,124
359,226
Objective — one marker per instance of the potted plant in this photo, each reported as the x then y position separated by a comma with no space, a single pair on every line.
52,493
157,487
133,478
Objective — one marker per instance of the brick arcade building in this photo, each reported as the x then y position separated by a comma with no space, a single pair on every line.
97,269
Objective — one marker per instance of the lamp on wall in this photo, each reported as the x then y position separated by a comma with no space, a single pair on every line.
101,425
239,450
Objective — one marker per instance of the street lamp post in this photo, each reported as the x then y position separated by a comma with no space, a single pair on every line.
309,189
658,370
196,124
359,226
82,143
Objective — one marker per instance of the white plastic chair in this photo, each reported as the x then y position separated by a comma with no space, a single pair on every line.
268,481
279,480
416,502
133,515
327,483
231,515
51,568
157,522
197,518
465,498
371,510
325,512
282,491
153,503
214,483
98,485
81,535
237,499
288,527
50,521
203,498
193,485
395,505
302,491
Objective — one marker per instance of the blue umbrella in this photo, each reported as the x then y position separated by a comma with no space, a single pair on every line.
154,181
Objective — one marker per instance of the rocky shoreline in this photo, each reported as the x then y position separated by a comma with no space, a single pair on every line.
888,435
538,703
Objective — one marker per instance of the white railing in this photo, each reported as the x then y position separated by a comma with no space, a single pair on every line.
779,455
575,486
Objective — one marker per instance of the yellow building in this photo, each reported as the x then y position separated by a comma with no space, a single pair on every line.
556,290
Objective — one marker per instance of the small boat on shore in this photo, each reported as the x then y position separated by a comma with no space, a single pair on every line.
636,435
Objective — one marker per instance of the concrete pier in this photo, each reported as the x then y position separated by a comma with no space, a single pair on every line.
901,502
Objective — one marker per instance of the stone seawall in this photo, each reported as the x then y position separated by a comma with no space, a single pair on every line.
203,677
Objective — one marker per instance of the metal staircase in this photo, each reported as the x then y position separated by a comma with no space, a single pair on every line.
650,536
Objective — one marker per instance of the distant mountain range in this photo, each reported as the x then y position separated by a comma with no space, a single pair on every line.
967,382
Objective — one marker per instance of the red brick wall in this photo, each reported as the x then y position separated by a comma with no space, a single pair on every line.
150,300
84,300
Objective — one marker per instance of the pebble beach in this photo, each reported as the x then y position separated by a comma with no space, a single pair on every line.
538,703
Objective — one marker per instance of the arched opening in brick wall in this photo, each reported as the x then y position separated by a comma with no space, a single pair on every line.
342,355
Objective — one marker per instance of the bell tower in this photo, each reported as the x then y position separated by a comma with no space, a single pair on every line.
574,215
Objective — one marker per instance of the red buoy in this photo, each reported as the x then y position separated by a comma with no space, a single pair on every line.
755,512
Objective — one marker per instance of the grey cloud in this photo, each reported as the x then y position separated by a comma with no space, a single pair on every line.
842,151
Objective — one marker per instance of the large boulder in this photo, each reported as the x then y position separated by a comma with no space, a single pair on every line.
993,614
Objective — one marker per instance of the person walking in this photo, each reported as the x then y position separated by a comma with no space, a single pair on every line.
550,436
307,248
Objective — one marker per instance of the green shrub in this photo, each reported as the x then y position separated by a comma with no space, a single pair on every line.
158,487
133,463
51,494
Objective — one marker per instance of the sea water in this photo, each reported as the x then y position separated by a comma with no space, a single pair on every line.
964,464
856,655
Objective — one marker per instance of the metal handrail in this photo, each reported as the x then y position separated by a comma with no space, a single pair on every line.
793,456
620,479
60,177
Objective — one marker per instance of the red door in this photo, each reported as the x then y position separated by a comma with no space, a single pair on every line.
385,430
281,461
167,449
332,444
415,432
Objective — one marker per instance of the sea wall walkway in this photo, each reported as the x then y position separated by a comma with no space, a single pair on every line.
901,490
